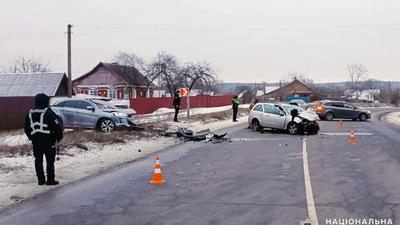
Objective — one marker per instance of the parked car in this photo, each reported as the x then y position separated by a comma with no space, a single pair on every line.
108,107
84,113
329,110
298,102
279,116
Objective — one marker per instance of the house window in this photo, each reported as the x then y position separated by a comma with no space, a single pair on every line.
93,92
112,94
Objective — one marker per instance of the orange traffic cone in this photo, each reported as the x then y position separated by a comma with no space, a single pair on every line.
340,123
157,178
352,139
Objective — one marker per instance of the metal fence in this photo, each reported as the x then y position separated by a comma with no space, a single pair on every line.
13,111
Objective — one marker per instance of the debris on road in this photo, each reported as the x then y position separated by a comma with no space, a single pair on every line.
204,135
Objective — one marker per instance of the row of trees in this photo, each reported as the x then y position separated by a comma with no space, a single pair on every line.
167,71
27,65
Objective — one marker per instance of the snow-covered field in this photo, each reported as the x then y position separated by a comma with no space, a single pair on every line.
18,180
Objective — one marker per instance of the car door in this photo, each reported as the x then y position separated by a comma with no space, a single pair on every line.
86,115
68,113
350,111
338,110
273,117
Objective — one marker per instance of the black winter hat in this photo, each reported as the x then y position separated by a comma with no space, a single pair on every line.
41,101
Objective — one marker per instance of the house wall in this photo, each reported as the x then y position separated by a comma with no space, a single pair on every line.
120,92
149,105
16,109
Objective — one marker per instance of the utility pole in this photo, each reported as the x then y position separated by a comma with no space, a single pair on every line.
69,62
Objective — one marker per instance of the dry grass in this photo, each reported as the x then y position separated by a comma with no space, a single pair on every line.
10,151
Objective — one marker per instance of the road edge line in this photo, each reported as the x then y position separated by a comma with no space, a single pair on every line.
312,213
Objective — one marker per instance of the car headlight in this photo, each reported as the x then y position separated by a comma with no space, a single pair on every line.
369,112
120,114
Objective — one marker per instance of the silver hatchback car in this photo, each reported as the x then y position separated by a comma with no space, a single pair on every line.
81,113
291,118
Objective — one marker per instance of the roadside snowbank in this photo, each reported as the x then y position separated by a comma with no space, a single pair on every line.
393,118
18,180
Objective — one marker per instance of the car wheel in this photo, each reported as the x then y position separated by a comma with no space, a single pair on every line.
106,125
293,128
363,117
255,126
329,116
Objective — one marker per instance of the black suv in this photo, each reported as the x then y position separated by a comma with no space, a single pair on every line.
338,109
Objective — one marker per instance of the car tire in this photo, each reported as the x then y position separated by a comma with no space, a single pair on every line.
362,117
255,125
293,128
106,125
329,116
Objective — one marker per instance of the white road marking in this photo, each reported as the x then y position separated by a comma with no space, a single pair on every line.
312,213
346,134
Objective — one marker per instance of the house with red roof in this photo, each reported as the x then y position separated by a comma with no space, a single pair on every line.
114,81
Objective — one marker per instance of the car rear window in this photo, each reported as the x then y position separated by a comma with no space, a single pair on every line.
257,108
71,104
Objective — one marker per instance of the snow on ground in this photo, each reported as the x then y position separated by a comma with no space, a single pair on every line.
13,140
18,180
393,118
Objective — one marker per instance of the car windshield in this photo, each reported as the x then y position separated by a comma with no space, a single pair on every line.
289,108
104,105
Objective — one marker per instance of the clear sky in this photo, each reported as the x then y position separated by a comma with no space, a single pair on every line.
246,40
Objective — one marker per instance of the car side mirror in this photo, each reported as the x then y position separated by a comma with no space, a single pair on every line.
90,108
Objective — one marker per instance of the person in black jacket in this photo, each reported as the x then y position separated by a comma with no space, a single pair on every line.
43,128
235,106
177,105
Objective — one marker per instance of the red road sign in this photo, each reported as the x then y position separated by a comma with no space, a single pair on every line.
184,91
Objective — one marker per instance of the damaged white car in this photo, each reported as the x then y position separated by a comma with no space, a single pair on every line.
287,117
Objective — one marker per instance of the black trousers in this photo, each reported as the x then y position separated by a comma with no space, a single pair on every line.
176,113
235,111
50,153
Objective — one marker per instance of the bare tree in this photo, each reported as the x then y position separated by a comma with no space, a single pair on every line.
166,70
25,65
356,72
130,60
199,75
301,77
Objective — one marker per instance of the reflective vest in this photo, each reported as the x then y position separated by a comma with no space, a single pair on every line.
38,127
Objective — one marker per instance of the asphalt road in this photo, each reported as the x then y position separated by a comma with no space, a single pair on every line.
256,179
